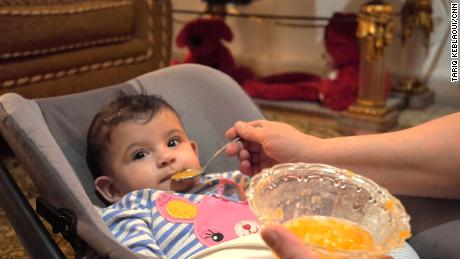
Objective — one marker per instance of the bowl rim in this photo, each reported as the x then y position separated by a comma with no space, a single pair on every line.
397,211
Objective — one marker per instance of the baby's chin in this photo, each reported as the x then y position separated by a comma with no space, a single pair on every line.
164,185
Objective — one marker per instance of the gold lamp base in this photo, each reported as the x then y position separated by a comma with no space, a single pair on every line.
368,108
410,85
369,117
414,93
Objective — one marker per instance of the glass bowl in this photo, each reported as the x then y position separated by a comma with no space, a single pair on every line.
289,191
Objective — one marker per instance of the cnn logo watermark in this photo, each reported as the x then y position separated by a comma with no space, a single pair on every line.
454,42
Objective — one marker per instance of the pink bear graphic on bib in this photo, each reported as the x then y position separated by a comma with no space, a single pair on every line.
216,219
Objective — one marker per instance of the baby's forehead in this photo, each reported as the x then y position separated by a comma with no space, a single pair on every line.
148,116
168,114
165,119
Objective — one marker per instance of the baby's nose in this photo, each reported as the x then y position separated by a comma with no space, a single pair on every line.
166,159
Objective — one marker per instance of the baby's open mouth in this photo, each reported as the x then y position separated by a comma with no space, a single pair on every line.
169,175
186,174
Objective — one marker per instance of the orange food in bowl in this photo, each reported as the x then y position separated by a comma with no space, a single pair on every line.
330,233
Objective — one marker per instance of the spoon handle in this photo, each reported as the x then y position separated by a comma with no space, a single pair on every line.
203,169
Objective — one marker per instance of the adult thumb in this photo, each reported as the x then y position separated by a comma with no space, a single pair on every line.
250,132
285,244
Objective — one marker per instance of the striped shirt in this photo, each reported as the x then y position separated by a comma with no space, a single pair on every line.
136,222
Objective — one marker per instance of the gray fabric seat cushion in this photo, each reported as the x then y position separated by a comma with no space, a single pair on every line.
441,242
68,119
49,135
24,129
208,101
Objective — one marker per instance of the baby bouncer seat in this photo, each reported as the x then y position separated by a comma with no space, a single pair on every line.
48,136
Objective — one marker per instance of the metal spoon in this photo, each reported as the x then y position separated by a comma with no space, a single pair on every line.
189,174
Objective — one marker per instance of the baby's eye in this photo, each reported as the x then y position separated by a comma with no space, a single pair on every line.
173,142
138,155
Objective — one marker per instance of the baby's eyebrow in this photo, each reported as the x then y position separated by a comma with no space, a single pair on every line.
130,146
174,131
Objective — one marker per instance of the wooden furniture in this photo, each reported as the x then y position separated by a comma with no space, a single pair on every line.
56,47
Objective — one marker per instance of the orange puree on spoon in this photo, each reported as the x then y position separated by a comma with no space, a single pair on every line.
185,174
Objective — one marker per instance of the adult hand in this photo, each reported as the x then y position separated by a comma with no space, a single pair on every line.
285,244
266,143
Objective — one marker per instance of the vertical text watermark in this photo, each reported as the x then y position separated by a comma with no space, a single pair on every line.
454,42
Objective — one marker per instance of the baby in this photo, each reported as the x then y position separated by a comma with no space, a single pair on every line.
135,144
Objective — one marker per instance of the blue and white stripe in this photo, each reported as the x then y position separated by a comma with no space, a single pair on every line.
136,223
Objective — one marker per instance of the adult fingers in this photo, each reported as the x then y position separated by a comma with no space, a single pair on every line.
246,168
253,147
244,155
252,131
285,244
233,149
231,133
259,123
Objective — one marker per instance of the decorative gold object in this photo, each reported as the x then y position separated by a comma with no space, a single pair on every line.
375,28
417,13
374,108
217,10
417,25
410,85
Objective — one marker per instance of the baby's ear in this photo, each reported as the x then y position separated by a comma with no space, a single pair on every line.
176,209
106,187
194,147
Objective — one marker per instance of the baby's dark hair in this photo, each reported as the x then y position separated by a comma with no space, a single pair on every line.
139,108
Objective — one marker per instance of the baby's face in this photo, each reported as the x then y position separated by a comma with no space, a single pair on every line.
146,155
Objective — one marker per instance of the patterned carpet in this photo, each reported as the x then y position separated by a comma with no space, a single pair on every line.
10,246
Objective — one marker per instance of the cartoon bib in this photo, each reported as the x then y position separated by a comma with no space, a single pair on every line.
216,218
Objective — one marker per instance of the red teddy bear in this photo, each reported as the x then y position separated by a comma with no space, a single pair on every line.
336,92
342,45
203,38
